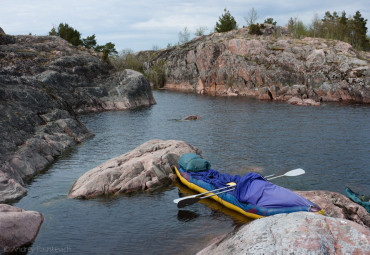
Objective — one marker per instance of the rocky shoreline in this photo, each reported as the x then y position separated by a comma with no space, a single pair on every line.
344,229
45,82
273,66
149,166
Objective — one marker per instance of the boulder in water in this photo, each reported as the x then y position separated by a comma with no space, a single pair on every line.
144,168
18,227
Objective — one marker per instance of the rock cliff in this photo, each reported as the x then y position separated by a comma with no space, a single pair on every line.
44,83
270,66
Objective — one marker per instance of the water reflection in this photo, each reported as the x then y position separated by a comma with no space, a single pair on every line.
217,208
236,135
186,215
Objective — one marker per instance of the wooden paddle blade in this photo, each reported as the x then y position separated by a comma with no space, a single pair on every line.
186,202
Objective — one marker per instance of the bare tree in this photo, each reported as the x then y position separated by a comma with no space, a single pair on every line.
252,17
315,25
200,31
184,36
155,47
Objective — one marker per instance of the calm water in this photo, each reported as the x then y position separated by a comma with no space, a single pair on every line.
331,142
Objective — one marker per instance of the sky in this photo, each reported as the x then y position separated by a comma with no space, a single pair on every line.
145,25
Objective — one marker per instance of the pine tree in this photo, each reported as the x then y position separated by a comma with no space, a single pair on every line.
270,21
226,23
358,31
67,33
343,27
296,28
89,42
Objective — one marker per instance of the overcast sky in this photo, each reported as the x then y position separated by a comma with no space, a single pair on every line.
144,24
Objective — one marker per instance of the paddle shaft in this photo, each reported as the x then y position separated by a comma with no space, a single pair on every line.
193,200
201,194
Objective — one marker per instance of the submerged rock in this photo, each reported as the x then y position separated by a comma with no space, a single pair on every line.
18,227
192,117
299,101
295,233
146,167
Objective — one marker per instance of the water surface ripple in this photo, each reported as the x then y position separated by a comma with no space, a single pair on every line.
331,142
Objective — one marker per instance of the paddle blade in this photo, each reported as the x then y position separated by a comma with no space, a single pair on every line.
188,201
177,200
295,172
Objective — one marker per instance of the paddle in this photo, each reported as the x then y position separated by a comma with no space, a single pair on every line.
189,200
294,172
201,194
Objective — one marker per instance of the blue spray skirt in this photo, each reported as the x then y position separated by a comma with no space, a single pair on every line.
230,200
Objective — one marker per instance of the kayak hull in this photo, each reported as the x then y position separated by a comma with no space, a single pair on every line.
229,201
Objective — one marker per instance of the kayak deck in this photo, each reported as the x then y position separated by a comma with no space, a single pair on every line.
230,201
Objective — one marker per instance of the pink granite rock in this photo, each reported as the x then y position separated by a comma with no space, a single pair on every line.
330,70
10,189
338,206
18,227
305,102
295,233
146,167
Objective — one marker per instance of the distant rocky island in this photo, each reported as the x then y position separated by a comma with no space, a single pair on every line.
271,66
44,83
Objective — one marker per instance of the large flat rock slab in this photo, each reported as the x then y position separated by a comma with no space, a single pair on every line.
146,167
295,233
18,227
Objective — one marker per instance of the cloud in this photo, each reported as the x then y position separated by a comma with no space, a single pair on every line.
134,24
173,22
